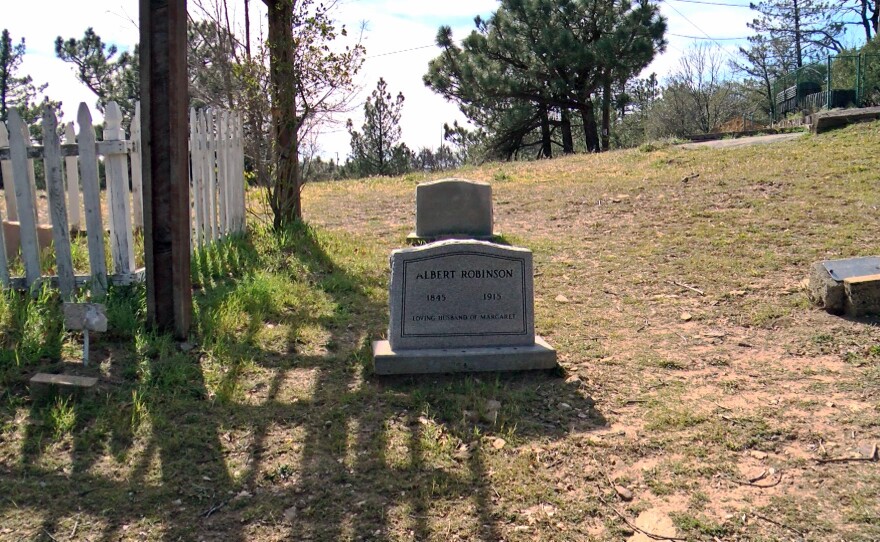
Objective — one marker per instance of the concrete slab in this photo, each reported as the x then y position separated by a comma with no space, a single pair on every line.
849,286
862,295
459,360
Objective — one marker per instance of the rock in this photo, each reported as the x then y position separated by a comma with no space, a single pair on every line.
564,406
757,454
825,291
624,493
561,299
186,346
685,317
243,494
868,451
290,514
499,443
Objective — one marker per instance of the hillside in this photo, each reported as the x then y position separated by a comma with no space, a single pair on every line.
700,391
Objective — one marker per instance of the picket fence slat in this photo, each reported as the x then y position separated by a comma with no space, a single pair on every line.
223,171
116,168
210,176
4,264
137,183
195,174
57,206
88,165
32,176
239,169
8,188
24,198
71,176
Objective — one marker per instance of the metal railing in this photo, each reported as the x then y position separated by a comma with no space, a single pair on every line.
839,81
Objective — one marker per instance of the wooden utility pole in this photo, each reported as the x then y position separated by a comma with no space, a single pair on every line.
164,130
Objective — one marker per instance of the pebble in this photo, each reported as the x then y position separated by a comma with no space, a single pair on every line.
499,443
624,493
564,406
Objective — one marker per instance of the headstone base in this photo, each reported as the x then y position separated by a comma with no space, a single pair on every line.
46,386
463,360
415,239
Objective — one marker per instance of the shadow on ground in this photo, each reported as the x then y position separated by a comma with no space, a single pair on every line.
305,444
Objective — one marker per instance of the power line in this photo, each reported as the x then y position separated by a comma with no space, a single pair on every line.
700,29
715,3
703,38
400,51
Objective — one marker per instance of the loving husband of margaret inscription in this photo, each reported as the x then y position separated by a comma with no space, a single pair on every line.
456,294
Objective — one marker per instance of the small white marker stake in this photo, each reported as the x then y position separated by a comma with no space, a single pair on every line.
86,317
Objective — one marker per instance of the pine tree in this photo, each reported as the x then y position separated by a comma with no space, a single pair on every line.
376,149
20,92
546,56
111,79
810,27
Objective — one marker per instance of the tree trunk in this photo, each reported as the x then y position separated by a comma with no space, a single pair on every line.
591,136
284,195
546,143
797,34
567,140
247,29
606,112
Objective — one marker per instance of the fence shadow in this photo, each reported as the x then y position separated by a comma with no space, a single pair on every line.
315,447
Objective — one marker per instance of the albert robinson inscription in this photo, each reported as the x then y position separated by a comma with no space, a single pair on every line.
461,294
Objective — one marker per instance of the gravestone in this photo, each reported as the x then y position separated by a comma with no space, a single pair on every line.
461,306
453,209
850,286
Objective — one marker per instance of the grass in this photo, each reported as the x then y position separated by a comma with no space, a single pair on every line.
270,425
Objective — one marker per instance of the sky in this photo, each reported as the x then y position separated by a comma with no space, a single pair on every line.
398,35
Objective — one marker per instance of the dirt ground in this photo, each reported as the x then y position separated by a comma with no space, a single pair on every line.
701,396
742,141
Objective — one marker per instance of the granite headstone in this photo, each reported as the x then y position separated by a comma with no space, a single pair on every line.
453,208
461,306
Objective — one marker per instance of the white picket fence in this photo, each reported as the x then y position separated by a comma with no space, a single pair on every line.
217,193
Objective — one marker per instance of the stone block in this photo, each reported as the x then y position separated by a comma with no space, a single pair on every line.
862,295
539,355
453,208
12,236
825,291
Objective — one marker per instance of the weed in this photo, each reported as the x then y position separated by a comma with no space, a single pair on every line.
61,417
